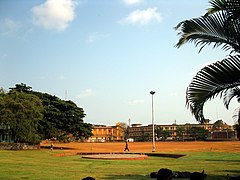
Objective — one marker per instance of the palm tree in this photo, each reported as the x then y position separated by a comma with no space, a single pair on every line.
220,26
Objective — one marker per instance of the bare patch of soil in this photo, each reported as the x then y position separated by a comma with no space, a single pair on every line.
161,147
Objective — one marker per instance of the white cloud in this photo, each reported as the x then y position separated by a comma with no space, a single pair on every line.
84,94
135,102
54,14
131,2
142,17
9,26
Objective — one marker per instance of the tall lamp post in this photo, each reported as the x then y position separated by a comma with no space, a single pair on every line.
153,137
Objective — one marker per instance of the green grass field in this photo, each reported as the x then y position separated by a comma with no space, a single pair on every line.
41,164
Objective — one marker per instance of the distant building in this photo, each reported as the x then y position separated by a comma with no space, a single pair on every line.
216,131
102,133
221,130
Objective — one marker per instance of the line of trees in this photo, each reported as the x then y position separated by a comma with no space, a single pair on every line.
31,116
182,133
196,133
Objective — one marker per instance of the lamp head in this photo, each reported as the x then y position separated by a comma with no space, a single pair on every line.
152,92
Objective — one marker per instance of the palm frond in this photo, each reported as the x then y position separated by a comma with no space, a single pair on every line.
211,81
236,116
232,7
209,30
229,94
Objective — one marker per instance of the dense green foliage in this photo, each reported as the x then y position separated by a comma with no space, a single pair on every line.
61,118
56,118
180,133
162,134
220,27
199,133
165,134
20,114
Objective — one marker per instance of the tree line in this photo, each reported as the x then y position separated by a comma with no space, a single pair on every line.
30,116
191,133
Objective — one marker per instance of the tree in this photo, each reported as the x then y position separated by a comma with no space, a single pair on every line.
165,134
162,134
220,26
158,131
20,113
180,133
125,128
236,119
63,117
237,128
198,133
21,88
145,137
60,118
84,131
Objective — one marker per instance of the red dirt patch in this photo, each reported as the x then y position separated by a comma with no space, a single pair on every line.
161,147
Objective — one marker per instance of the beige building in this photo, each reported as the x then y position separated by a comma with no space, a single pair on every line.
216,131
102,133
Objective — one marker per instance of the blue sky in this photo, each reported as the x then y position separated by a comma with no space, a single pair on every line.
106,56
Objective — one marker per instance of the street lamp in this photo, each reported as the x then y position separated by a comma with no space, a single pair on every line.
153,137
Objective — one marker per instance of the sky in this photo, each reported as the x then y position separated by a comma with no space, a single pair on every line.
106,56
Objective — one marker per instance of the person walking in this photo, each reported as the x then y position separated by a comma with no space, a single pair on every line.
51,146
126,147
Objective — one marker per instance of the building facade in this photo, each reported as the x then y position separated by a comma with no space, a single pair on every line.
102,133
216,131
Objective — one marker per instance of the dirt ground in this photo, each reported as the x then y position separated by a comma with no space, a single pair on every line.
161,147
